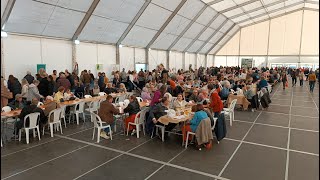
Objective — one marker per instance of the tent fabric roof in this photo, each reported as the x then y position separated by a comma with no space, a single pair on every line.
183,25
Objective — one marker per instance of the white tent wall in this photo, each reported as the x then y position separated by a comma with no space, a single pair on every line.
175,60
209,60
139,55
191,59
201,59
107,57
157,57
22,54
87,57
126,58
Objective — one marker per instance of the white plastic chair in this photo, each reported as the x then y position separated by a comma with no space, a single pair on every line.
172,101
33,124
8,120
126,102
97,123
139,99
56,120
78,109
63,115
102,94
162,128
87,96
93,107
6,109
230,111
193,134
138,121
120,98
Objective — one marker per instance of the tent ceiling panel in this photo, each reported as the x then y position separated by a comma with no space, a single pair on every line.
256,13
3,6
153,17
139,36
220,6
206,34
214,50
191,8
240,1
266,2
233,12
121,10
206,16
194,30
251,6
217,22
168,4
294,7
246,23
164,41
206,48
240,18
216,37
274,7
234,30
70,4
226,26
177,25
102,30
195,46
309,5
56,26
29,17
182,44
289,2
260,18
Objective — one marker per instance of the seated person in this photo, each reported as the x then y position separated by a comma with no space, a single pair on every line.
78,89
159,110
179,102
32,108
49,105
262,83
18,103
59,96
122,88
106,112
145,94
194,96
109,89
133,108
248,93
168,95
193,124
68,95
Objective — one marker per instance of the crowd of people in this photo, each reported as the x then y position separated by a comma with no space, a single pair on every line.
206,89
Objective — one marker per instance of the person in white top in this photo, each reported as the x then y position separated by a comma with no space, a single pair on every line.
179,102
25,87
67,95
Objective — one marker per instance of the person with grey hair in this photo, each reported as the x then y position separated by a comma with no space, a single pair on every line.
18,103
29,77
33,91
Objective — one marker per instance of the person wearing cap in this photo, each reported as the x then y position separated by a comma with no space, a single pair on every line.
18,103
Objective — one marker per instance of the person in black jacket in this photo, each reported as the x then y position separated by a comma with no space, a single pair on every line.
14,86
133,108
18,103
109,89
29,77
44,87
32,108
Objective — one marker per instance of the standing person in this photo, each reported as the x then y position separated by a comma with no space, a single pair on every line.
25,87
44,87
106,112
123,76
14,86
284,79
51,85
312,80
86,79
294,77
29,77
5,94
63,81
101,82
54,75
216,104
33,92
301,76
141,79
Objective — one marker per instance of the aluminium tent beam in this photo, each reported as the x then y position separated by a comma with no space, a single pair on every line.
220,39
228,41
214,2
238,5
7,12
188,26
201,32
85,19
214,33
174,13
267,19
312,2
273,11
134,21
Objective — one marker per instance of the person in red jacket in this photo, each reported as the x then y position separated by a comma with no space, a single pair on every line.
216,104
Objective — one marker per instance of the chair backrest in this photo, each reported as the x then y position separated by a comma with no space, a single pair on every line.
233,104
34,118
102,94
63,110
121,104
139,99
95,105
6,109
96,119
172,101
87,96
142,115
137,118
126,102
56,114
80,106
123,97
40,104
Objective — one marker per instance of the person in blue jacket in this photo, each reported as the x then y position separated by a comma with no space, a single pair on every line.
263,83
